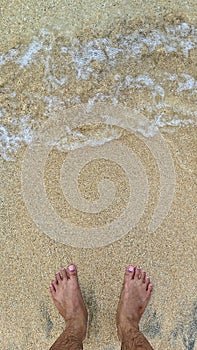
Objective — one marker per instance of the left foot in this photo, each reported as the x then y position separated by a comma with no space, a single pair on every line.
67,297
135,295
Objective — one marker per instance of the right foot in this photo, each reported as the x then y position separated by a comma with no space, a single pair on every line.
134,298
67,297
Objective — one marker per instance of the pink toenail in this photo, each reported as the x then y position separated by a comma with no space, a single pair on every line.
131,269
71,268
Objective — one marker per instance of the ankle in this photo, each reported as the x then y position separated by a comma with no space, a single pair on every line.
127,329
76,330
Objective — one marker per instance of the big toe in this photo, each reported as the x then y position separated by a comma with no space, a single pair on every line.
72,272
129,273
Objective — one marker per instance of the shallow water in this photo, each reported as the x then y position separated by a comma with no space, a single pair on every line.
97,138
136,67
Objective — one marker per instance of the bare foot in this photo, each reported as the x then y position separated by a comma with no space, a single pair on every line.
134,298
67,297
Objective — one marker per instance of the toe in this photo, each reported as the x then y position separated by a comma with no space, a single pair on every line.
137,273
58,277
147,282
129,273
64,274
143,276
149,290
72,272
52,289
54,284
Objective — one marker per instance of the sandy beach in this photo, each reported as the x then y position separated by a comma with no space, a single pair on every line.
139,58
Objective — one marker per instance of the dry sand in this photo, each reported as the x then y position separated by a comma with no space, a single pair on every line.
29,258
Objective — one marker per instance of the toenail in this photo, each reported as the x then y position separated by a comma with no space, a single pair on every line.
138,267
71,268
131,268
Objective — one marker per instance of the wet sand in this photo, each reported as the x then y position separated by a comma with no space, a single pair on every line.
29,257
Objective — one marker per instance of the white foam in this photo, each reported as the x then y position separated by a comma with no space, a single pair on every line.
82,56
189,83
172,38
80,140
10,143
8,57
141,82
31,52
161,121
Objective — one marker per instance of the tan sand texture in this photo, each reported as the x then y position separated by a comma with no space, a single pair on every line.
98,165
